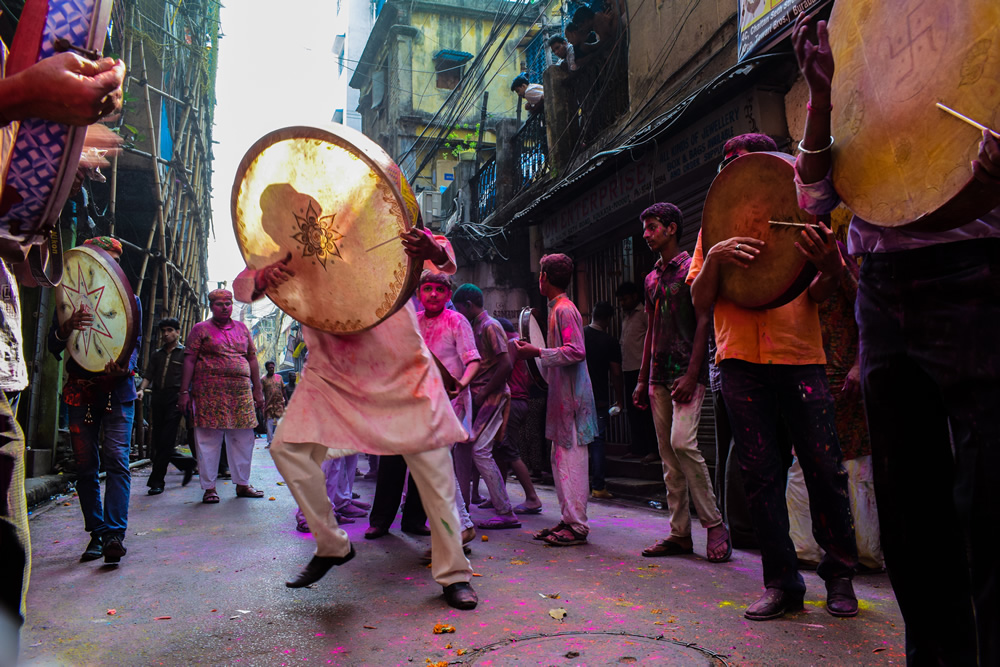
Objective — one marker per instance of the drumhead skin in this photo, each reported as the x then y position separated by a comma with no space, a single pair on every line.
91,277
748,193
528,329
335,203
897,158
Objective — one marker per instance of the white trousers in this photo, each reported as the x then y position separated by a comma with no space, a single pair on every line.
300,465
570,470
239,452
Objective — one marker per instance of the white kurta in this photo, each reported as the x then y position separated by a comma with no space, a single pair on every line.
377,392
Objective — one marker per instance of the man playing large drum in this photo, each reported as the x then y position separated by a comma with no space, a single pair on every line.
928,313
377,392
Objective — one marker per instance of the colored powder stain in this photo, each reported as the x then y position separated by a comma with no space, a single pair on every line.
447,527
726,603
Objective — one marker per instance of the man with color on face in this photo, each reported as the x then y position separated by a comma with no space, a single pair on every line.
274,399
100,403
673,380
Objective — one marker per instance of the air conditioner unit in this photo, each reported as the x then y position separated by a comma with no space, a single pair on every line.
429,203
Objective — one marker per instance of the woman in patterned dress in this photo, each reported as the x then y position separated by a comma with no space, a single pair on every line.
220,389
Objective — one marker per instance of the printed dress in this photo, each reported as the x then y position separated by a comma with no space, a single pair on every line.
221,387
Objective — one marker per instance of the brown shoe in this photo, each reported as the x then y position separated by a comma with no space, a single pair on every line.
773,604
840,598
247,491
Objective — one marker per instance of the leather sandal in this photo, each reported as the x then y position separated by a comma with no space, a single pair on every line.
715,544
248,491
567,537
666,548
211,497
545,532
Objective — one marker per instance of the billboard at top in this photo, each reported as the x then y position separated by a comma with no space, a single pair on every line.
763,23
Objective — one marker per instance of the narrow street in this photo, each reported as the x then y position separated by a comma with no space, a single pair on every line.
203,584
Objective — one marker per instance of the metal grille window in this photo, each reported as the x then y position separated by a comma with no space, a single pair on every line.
535,58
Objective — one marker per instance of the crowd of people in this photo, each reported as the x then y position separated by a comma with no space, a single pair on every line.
439,389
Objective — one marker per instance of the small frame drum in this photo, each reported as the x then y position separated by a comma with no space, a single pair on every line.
528,329
45,155
749,193
93,279
331,201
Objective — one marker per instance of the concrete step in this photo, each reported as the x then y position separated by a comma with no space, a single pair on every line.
636,489
616,466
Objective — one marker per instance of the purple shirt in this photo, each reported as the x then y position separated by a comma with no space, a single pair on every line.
864,237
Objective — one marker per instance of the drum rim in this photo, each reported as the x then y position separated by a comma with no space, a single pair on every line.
524,319
807,270
124,287
374,156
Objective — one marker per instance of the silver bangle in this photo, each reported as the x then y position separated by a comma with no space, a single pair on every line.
803,149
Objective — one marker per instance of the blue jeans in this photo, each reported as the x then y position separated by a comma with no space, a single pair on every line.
930,373
112,517
758,397
597,451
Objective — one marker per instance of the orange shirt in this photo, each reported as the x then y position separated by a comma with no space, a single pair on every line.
786,335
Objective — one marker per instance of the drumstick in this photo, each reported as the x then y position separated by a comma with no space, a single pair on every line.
61,45
792,224
386,242
968,120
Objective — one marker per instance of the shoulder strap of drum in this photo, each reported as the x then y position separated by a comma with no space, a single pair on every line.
45,259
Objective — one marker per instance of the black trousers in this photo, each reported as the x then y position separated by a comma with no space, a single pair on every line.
640,422
389,491
930,368
166,420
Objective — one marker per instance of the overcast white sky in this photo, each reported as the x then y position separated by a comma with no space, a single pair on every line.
276,67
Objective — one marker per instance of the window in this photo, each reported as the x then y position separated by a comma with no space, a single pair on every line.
338,116
449,66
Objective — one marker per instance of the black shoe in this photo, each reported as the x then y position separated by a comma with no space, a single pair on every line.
317,567
840,599
94,550
773,604
416,530
154,491
113,549
461,596
188,474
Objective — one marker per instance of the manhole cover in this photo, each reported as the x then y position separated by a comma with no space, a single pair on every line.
592,649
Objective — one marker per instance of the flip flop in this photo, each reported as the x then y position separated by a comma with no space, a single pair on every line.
522,509
499,523
712,545
545,532
666,548
567,537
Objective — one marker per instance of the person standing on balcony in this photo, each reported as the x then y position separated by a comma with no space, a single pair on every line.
533,94
564,51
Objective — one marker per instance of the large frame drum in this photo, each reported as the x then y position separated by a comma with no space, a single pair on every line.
333,203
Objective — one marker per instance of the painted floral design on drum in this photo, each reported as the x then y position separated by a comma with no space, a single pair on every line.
317,235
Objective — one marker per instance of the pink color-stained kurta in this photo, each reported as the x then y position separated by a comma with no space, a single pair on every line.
221,386
570,418
449,336
376,392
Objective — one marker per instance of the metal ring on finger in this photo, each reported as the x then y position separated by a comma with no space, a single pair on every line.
739,246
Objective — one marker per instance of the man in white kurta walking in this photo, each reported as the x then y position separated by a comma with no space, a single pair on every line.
377,392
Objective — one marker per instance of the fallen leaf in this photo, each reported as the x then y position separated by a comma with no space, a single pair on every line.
515,561
881,648
551,596
272,498
369,627
558,613
476,574
573,654
655,611
281,483
461,651
447,645
112,612
215,610
657,622
162,618
442,628
486,538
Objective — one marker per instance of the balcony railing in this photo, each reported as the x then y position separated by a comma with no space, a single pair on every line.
486,189
532,149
